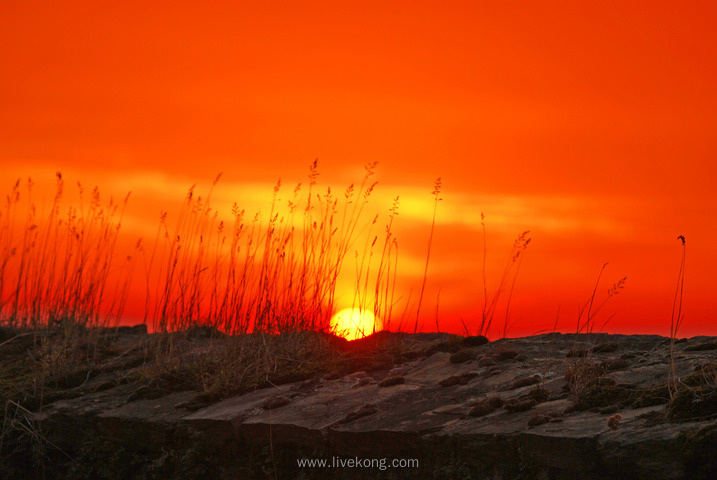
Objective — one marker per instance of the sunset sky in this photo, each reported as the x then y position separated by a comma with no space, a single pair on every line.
591,124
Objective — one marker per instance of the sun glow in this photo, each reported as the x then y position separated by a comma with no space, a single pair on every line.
353,323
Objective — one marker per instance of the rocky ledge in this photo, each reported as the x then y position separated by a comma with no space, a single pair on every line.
544,407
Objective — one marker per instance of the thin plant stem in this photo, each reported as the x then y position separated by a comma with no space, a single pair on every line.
436,192
676,322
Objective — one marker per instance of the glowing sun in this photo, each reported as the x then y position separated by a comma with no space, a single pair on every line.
353,323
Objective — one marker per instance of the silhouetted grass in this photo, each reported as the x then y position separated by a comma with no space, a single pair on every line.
273,274
510,275
587,313
57,271
250,273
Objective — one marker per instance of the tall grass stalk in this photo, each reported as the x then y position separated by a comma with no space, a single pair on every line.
519,247
484,316
675,322
436,196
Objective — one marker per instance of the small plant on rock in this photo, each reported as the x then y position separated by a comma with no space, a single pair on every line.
580,375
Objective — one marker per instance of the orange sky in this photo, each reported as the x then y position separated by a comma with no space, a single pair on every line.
591,124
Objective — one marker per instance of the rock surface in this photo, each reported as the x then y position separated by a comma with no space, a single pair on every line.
510,409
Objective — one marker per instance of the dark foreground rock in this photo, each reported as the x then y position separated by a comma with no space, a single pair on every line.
525,408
